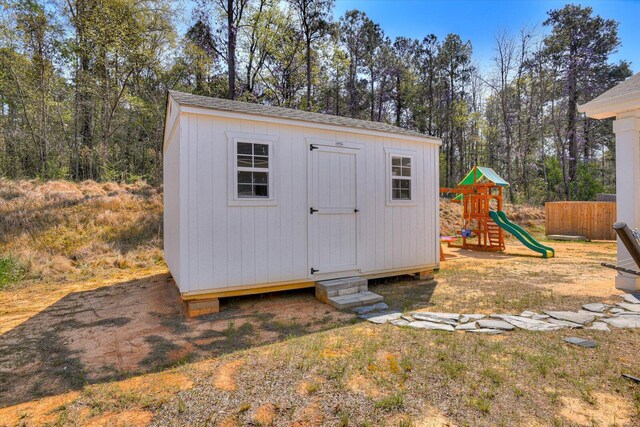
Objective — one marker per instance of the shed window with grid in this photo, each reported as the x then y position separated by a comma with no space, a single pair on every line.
400,178
253,169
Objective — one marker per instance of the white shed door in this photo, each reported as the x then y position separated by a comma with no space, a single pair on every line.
333,211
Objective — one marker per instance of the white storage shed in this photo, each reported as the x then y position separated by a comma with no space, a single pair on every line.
260,198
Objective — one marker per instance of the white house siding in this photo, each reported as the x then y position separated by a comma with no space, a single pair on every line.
228,246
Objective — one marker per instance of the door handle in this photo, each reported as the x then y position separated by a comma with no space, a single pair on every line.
356,210
311,211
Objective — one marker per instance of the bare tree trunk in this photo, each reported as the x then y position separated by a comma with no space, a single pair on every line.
572,139
308,73
373,94
231,46
430,125
399,101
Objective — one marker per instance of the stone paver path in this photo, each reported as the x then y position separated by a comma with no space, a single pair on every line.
594,316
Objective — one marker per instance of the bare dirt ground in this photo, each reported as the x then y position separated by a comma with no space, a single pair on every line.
109,332
96,337
121,354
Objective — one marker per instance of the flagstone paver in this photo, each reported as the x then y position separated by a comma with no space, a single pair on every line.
422,324
592,316
581,342
630,307
631,298
599,326
487,331
624,321
382,317
570,316
596,307
467,326
469,317
495,324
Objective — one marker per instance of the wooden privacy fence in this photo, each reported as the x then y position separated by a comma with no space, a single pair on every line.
593,220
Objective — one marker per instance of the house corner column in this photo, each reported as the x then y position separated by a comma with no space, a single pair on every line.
627,132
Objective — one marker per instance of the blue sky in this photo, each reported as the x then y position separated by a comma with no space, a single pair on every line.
479,20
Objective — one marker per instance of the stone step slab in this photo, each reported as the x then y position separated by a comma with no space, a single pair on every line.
323,295
342,283
354,300
339,287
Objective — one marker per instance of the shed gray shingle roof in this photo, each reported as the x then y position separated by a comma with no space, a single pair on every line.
630,85
288,113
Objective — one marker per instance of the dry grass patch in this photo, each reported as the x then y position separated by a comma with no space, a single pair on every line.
466,379
603,409
60,231
39,412
124,403
265,415
224,378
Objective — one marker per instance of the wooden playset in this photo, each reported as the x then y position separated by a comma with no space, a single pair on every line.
481,188
480,194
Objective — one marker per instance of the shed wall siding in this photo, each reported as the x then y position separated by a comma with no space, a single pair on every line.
228,246
171,165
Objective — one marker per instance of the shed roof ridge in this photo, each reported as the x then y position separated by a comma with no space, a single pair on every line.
201,101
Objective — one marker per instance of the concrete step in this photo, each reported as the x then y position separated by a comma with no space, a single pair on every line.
326,289
354,300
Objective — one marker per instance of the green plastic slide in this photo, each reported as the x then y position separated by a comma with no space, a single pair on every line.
521,234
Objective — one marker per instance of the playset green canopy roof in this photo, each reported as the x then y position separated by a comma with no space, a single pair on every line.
482,174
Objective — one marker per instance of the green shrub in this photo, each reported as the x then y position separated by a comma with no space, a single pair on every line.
10,271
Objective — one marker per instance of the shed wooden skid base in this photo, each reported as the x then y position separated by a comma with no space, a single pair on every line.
237,291
425,275
201,307
208,302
